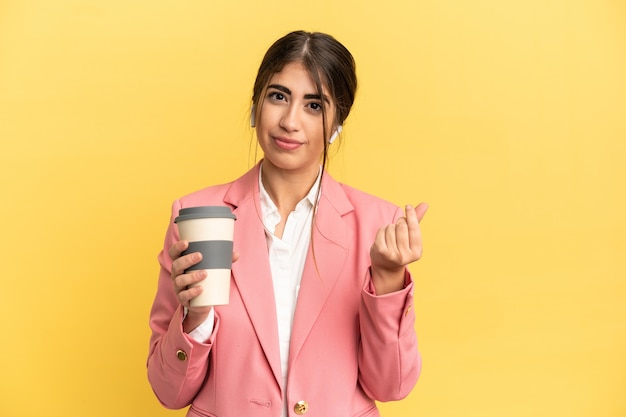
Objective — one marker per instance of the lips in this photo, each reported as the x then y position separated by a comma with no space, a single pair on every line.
286,143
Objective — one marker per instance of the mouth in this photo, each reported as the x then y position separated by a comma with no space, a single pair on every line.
286,143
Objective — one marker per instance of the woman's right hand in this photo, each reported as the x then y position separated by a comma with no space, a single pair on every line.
184,283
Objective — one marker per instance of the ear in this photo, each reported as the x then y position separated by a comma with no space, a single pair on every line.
335,134
253,116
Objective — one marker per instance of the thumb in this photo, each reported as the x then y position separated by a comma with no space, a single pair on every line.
420,211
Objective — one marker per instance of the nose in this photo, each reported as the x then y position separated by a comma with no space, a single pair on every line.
290,120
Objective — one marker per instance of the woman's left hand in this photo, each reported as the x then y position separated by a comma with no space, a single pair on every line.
396,245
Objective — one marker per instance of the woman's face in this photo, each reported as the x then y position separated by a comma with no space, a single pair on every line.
290,127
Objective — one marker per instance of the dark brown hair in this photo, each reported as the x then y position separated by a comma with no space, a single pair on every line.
329,64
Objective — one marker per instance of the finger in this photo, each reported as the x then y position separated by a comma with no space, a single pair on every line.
235,256
186,295
177,248
185,262
420,210
415,233
185,281
402,235
379,242
186,288
412,219
390,239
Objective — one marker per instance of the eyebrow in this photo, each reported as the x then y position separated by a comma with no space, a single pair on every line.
306,96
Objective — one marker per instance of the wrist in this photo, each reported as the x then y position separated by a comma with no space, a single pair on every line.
194,318
387,281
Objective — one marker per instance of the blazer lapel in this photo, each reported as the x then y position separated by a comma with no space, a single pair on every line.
324,263
253,275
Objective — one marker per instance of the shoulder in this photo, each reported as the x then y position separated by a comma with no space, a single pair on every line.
368,207
364,199
361,202
230,193
211,195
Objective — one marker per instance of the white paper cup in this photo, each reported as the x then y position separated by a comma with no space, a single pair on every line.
209,230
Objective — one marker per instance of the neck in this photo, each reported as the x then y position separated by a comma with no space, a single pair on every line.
287,189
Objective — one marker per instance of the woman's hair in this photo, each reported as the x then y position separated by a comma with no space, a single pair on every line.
329,64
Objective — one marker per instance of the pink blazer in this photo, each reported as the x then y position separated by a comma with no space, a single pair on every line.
348,346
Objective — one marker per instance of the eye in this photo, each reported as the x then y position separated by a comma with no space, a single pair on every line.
276,96
315,106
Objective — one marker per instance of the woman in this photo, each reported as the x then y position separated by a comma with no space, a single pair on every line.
319,320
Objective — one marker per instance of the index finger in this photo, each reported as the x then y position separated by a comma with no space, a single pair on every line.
415,215
177,248
413,218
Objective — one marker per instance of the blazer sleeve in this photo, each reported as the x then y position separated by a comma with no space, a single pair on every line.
177,364
389,361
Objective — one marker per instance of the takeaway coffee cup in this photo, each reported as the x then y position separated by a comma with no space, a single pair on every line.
209,230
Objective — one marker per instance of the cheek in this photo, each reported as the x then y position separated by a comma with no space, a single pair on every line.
316,132
264,123
268,114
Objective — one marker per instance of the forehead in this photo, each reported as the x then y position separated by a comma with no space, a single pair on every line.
296,77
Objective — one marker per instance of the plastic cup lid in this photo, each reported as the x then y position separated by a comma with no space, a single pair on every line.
205,212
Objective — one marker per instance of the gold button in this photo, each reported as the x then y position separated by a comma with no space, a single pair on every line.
181,355
406,313
301,407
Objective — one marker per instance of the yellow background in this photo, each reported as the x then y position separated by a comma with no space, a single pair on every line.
508,117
